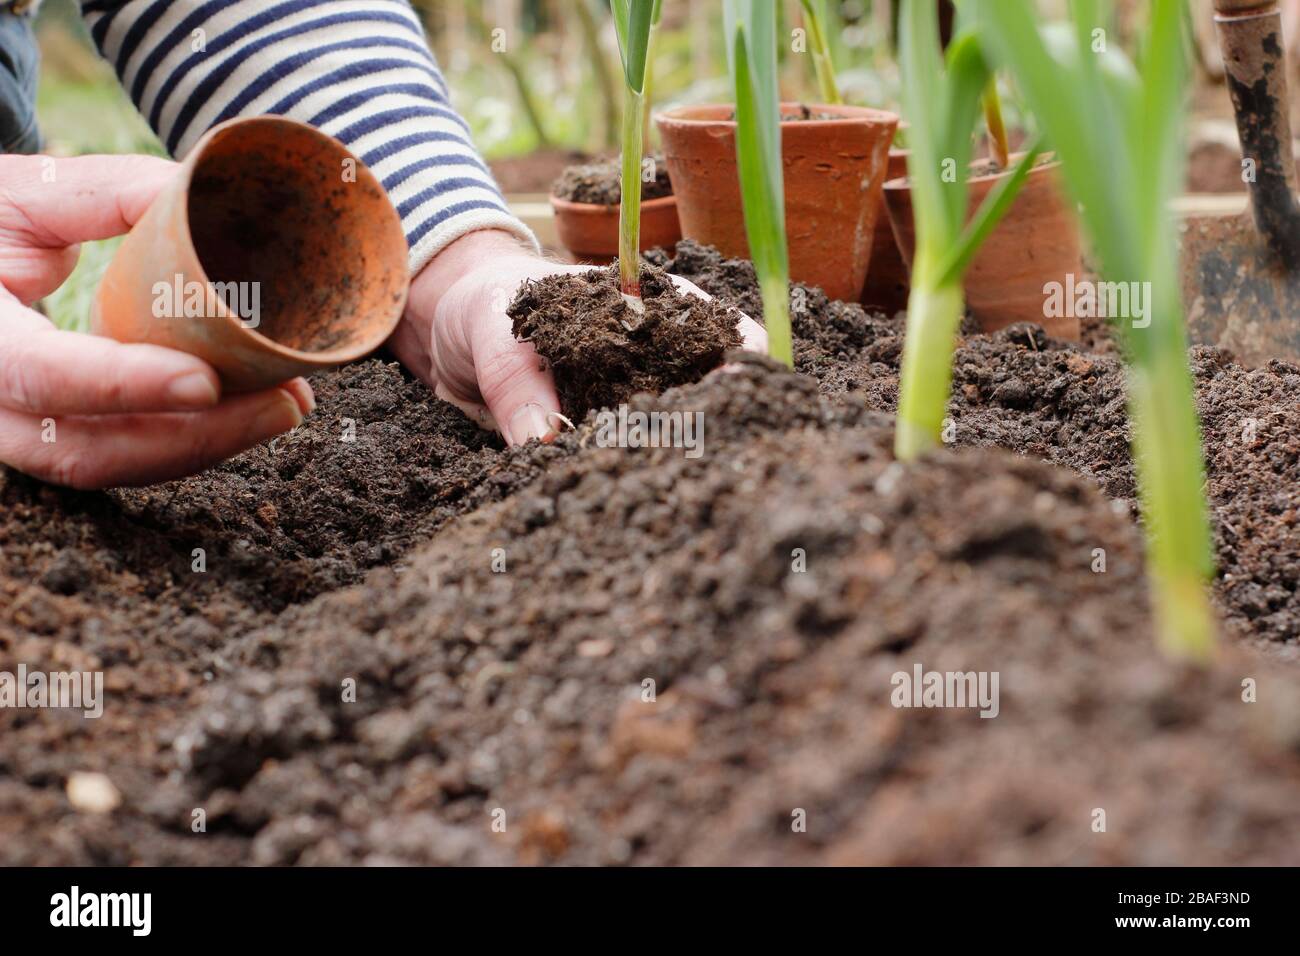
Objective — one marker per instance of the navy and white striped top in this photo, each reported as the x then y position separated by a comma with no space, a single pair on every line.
359,70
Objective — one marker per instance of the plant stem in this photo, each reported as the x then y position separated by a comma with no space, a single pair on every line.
1167,445
775,291
997,129
629,213
933,317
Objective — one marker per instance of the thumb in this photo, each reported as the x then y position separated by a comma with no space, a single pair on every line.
61,202
516,385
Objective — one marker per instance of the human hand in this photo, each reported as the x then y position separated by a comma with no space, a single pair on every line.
86,411
457,337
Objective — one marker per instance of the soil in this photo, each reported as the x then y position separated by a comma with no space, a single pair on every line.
603,351
601,183
403,639
801,115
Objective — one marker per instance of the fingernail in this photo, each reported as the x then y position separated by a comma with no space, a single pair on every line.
529,422
192,390
302,394
555,420
277,416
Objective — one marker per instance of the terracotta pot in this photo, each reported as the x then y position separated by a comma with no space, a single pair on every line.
886,287
273,253
834,170
590,231
1036,243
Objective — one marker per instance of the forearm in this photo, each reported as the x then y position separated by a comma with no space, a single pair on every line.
359,70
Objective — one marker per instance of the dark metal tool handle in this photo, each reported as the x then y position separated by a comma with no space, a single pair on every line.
1250,35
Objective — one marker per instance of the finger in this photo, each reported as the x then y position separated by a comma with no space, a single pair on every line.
515,383
112,450
302,394
516,386
483,370
55,372
61,202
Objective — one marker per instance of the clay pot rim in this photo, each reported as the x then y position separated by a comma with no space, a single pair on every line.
327,359
690,115
903,183
595,208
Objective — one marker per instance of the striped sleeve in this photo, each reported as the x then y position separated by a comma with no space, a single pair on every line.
359,70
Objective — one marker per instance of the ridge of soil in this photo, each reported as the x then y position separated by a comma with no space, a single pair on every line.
602,351
492,615
1065,402
601,183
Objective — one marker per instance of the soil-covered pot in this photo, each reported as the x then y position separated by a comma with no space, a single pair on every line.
590,231
835,160
1036,243
585,200
260,258
886,287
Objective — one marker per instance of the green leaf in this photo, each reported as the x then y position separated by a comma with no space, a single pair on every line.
823,63
996,204
942,98
632,22
922,94
751,26
1118,134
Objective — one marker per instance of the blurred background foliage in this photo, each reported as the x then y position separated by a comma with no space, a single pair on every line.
525,73
561,55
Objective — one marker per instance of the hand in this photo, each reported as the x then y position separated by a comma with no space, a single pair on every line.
86,411
457,337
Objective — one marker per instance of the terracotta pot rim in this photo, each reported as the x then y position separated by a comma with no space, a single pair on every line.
365,177
687,116
903,183
594,208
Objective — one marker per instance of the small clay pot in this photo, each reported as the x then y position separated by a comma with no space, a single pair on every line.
274,252
1037,242
887,286
834,170
590,231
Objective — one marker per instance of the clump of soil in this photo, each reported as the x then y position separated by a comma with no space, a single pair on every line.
601,183
603,351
